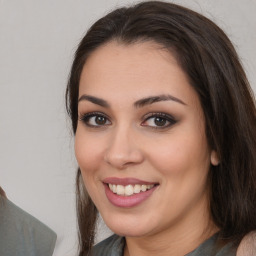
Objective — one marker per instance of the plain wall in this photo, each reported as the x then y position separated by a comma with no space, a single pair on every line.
37,42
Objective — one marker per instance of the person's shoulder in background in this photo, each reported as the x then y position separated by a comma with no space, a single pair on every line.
247,246
22,234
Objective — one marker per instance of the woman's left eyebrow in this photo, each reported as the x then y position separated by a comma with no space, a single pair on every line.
94,100
152,99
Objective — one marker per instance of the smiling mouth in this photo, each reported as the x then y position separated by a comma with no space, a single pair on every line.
129,190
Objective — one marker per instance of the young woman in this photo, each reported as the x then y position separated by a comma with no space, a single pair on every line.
165,135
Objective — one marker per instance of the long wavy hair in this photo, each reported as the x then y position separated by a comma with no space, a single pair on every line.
211,63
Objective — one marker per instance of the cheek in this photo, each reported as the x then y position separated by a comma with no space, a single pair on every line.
183,165
88,152
180,154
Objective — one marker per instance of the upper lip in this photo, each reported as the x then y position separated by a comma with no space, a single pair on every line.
127,181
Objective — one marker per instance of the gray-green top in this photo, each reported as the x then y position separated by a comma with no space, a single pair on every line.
114,246
21,234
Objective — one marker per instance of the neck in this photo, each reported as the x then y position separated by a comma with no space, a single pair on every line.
179,239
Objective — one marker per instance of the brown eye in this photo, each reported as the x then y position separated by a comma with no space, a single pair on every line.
100,120
95,120
160,121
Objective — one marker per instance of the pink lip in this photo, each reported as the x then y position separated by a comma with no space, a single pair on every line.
127,201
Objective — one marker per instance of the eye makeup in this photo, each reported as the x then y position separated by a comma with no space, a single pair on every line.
154,120
95,119
158,120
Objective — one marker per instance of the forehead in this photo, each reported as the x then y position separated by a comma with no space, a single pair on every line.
143,68
129,59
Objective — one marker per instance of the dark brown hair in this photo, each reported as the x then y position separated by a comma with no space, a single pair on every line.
211,63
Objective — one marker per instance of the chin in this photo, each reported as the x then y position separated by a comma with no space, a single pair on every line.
128,231
128,226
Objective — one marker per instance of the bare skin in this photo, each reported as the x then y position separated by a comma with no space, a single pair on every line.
247,246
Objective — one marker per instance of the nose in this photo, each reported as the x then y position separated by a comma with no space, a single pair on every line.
123,149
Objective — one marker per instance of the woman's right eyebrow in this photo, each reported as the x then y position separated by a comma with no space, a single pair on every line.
94,100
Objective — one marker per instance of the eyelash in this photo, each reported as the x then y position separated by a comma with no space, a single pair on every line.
166,117
85,118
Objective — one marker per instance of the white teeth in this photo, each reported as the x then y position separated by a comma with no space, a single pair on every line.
136,189
129,189
120,190
144,188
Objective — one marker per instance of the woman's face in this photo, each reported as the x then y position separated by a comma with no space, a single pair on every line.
140,141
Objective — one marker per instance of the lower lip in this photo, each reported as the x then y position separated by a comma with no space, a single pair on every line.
128,201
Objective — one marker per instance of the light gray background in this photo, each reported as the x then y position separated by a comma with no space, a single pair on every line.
37,42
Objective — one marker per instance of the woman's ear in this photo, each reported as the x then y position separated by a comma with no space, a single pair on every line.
214,158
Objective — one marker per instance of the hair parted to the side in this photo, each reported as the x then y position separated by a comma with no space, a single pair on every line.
211,63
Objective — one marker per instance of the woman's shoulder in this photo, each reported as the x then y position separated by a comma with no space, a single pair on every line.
247,247
114,245
111,246
215,246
